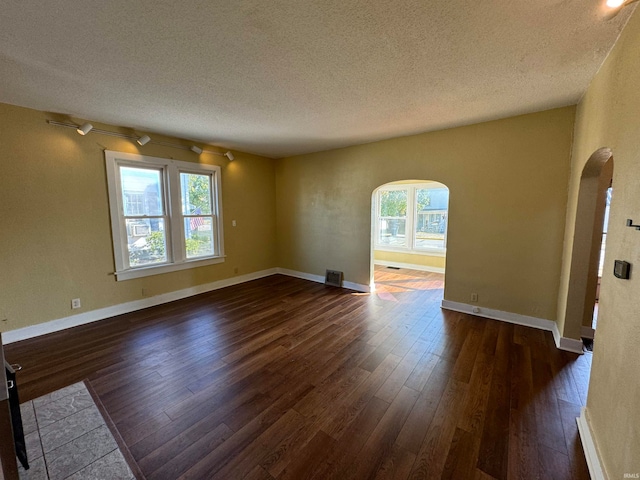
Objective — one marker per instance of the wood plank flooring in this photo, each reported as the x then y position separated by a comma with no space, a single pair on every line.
281,378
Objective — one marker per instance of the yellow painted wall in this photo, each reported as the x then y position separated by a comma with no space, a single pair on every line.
55,232
508,189
410,258
609,116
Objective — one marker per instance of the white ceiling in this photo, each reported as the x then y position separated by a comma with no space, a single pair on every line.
285,77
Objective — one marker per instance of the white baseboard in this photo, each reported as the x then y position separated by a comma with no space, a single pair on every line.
562,343
358,287
596,470
303,275
411,266
107,312
570,345
587,332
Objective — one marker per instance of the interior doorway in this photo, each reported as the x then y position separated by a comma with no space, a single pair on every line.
409,222
588,260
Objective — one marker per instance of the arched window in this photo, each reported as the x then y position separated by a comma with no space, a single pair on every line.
412,217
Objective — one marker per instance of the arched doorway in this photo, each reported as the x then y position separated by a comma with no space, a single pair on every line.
595,182
409,222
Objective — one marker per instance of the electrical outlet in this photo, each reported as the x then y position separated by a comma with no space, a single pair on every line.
474,297
75,303
233,223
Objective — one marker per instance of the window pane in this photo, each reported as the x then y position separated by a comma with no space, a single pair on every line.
198,234
141,191
393,203
146,241
196,194
392,232
431,217
392,221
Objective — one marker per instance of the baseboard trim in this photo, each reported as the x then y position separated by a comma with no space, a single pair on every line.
570,345
108,312
562,343
358,287
412,266
587,332
596,470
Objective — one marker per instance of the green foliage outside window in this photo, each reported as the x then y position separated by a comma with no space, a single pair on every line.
198,245
155,241
393,203
199,194
423,199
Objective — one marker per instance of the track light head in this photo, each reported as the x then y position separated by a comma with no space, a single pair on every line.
84,128
196,149
143,140
615,6
229,155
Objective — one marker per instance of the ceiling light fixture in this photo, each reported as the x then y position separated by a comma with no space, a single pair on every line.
143,140
84,128
229,155
87,127
616,6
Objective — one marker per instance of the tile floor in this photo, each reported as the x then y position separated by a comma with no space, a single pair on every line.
67,438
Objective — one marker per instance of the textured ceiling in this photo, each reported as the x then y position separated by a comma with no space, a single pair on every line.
285,77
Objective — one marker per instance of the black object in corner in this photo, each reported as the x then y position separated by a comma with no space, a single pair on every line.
16,416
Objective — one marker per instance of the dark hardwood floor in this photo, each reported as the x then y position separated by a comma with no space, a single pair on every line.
288,379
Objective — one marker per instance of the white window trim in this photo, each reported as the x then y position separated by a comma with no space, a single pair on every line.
410,219
176,255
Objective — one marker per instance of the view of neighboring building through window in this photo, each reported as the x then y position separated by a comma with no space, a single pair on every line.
147,237
431,218
412,217
144,215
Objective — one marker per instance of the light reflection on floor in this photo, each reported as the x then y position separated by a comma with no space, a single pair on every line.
390,283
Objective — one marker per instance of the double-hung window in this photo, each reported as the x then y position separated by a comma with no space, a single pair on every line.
412,218
165,214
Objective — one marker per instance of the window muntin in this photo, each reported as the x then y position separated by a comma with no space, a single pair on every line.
412,217
165,214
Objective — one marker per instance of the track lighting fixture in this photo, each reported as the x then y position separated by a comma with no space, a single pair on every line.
615,6
143,140
84,128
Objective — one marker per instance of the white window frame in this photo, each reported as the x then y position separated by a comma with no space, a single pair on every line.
174,219
410,219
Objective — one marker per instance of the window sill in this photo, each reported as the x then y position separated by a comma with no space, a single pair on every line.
430,252
159,269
